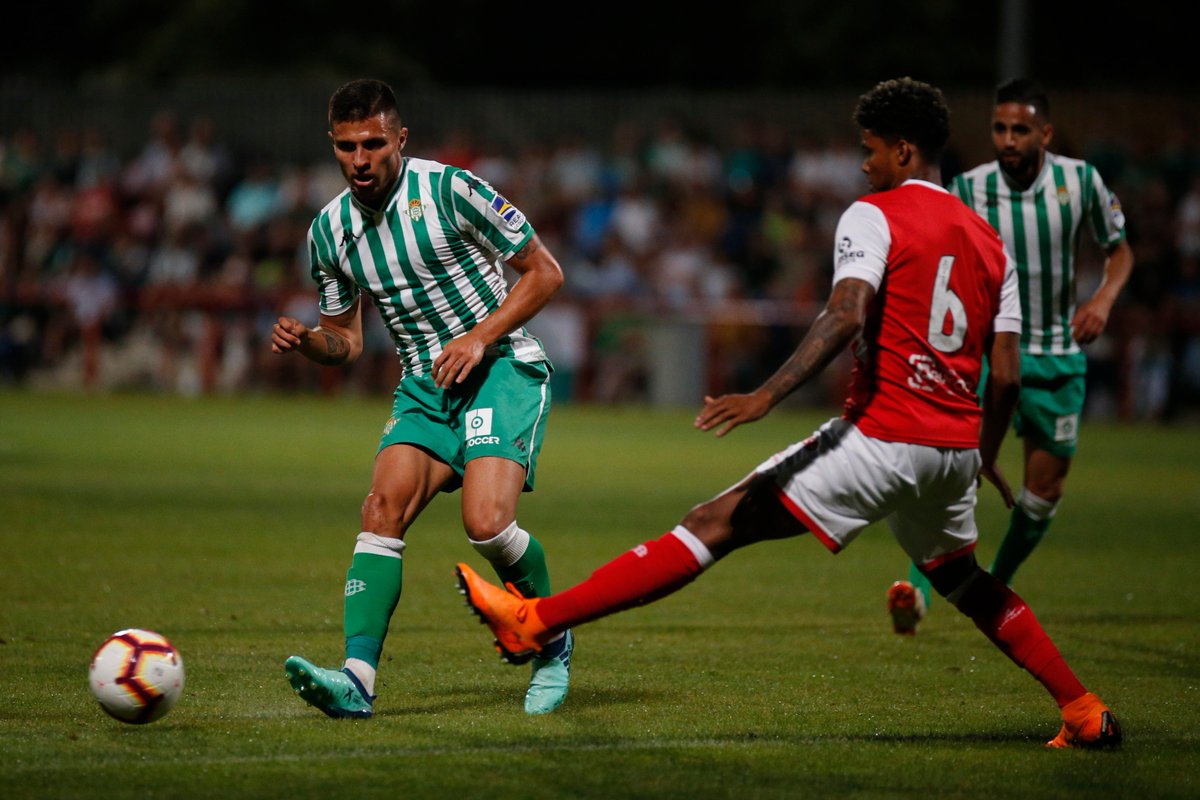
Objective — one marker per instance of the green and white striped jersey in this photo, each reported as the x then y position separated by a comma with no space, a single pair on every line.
1041,227
430,260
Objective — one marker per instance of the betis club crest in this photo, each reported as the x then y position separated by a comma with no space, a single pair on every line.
414,209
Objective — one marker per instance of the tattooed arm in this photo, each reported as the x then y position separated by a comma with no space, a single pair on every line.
541,277
831,332
336,340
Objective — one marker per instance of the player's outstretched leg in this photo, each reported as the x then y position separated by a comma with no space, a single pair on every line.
523,627
512,618
336,693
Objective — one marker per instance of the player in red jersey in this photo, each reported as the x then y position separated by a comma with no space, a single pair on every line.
923,289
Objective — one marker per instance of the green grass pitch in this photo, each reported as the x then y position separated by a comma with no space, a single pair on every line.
227,525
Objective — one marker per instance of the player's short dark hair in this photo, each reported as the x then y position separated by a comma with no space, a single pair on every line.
1026,92
362,99
903,108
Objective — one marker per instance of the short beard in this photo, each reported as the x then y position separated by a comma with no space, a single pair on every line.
1023,171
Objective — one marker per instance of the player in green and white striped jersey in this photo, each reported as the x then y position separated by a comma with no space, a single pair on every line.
428,260
426,244
1040,202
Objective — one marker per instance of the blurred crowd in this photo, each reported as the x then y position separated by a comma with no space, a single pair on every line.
163,269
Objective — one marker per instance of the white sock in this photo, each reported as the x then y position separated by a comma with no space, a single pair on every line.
704,556
1038,508
505,548
363,671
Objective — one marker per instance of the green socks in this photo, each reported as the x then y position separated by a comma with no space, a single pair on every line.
373,586
1031,517
519,559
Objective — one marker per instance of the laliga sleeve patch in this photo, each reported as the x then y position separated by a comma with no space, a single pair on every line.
1114,210
513,219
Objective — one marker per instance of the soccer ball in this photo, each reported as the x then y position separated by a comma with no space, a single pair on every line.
136,675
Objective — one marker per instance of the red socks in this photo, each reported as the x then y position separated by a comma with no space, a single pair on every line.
657,568
646,573
1018,634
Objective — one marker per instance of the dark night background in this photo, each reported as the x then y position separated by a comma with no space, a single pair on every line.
539,86
768,45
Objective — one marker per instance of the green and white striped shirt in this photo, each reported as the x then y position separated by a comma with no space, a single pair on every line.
1040,227
430,260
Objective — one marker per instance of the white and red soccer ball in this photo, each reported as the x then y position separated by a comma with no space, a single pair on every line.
137,676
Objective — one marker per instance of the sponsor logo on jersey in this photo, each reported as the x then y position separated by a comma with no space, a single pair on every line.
513,218
348,237
414,210
926,375
847,252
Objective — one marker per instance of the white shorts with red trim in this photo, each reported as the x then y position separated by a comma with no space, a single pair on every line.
839,480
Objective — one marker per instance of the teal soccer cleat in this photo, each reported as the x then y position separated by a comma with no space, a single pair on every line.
335,692
550,678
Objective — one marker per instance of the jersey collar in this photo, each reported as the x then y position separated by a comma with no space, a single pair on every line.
926,184
391,195
1047,166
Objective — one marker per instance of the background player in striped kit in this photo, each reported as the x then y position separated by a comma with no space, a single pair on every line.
924,289
425,243
1039,202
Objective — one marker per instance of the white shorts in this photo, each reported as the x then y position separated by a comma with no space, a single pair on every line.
839,480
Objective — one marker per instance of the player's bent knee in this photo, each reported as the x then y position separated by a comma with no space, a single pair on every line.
708,522
384,515
749,514
483,525
948,576
760,515
979,596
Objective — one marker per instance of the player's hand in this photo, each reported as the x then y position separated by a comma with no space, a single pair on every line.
1090,320
730,410
287,335
457,360
995,477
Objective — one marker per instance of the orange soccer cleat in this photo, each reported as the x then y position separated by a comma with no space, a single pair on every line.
907,607
1087,722
520,635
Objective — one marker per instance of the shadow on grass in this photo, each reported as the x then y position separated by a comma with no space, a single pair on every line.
467,698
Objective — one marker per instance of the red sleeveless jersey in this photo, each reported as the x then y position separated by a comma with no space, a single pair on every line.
919,358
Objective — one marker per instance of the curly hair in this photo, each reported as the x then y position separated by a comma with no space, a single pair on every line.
903,108
362,99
